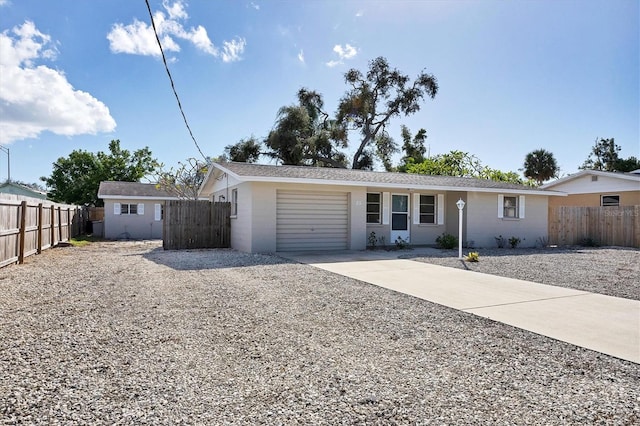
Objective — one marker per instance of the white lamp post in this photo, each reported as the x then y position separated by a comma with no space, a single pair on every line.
460,205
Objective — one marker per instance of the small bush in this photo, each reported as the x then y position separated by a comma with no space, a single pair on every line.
473,256
372,240
514,241
401,243
500,241
589,242
447,241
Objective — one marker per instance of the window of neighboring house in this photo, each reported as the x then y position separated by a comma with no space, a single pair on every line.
234,202
511,207
427,209
374,205
128,209
610,200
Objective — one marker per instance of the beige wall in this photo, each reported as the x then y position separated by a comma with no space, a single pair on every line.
627,198
137,227
483,223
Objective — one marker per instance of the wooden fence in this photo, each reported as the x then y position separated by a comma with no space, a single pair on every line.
29,226
608,226
192,224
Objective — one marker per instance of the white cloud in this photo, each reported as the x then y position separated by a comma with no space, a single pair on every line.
344,52
4,3
301,56
138,38
254,5
231,50
359,14
34,99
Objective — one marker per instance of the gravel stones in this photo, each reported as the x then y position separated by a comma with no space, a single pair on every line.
126,333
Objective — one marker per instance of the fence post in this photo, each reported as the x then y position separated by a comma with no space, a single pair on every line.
40,228
22,231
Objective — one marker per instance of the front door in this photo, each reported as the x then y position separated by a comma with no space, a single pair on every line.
399,217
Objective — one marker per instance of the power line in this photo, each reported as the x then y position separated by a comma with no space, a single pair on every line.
166,67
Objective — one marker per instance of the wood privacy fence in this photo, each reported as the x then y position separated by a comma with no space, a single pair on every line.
190,224
29,226
609,226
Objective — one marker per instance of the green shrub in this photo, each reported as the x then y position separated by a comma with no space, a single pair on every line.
514,241
589,242
447,241
372,240
500,241
401,243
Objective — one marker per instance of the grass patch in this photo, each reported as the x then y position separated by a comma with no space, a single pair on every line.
83,240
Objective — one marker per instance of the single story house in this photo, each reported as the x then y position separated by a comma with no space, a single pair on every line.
594,188
292,208
133,210
21,191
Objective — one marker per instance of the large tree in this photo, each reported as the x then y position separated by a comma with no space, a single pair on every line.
75,179
540,165
245,151
413,146
376,97
304,135
604,156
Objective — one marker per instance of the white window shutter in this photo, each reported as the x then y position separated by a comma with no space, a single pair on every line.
385,207
500,206
116,208
158,212
521,207
440,208
141,209
416,209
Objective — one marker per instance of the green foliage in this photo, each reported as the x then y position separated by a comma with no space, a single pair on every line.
185,180
514,242
413,147
459,164
372,240
589,242
304,134
447,241
376,97
604,156
245,151
76,179
473,256
500,241
540,165
401,243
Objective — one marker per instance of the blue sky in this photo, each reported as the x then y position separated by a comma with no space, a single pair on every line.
513,76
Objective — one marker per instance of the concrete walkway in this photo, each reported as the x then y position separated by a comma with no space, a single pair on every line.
610,325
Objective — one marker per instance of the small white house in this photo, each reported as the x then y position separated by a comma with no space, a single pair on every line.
133,210
291,208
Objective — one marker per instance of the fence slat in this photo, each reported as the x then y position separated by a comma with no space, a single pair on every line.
190,224
611,226
24,230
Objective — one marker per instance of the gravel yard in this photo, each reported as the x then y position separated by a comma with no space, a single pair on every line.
126,333
611,271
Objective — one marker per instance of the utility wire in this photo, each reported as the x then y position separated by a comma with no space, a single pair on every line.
166,67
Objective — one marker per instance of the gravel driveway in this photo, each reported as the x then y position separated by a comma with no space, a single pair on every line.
126,333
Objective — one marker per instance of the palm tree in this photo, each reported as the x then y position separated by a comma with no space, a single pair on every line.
540,165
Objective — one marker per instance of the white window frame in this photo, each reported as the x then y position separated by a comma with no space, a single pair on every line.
379,203
234,202
438,212
602,197
519,208
158,212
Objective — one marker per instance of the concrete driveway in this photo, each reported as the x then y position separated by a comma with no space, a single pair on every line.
610,325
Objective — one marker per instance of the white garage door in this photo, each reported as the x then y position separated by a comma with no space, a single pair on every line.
311,221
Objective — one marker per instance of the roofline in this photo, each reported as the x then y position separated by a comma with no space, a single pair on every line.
386,185
620,175
140,197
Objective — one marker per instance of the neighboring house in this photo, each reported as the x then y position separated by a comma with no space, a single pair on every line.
133,210
289,208
21,190
594,188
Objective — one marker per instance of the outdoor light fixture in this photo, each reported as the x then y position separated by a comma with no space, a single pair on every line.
460,205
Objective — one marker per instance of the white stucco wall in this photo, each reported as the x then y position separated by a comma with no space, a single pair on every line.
137,226
483,223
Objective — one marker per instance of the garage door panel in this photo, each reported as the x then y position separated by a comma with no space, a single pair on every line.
311,221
